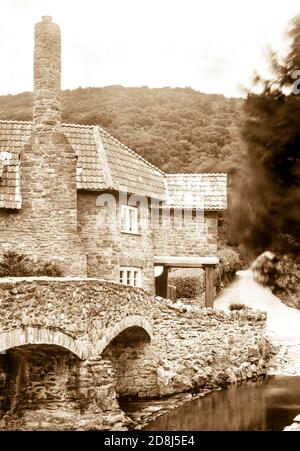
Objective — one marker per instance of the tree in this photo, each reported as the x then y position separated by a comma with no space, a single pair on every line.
267,211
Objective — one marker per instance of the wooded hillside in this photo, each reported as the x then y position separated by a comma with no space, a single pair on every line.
178,130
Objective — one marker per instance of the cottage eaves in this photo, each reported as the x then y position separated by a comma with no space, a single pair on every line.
105,163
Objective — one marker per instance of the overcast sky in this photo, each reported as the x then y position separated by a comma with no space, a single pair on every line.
214,46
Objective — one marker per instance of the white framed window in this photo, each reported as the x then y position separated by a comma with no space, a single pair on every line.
131,276
129,219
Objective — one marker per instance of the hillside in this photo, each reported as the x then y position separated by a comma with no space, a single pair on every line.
178,130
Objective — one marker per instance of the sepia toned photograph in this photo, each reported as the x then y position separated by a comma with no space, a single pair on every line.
150,218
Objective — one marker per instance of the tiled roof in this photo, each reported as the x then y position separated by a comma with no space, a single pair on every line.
130,172
13,137
90,174
4,161
204,191
105,163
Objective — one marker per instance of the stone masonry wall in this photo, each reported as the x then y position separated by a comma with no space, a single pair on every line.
107,247
48,388
73,346
191,349
46,226
198,236
79,313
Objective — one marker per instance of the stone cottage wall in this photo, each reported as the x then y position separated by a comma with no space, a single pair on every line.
107,247
46,225
196,236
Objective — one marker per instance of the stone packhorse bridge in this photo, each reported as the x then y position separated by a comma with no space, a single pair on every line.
70,347
81,315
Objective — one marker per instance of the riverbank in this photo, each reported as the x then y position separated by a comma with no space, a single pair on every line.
142,412
282,330
268,404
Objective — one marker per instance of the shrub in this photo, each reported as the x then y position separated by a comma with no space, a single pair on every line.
237,306
281,273
265,269
14,264
191,286
230,263
287,285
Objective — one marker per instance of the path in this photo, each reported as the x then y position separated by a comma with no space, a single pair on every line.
283,323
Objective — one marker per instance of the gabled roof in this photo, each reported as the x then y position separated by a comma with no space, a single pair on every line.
105,163
203,191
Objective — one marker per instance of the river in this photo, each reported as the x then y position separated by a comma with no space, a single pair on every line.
267,405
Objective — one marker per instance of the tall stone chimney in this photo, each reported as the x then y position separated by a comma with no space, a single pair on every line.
47,221
47,76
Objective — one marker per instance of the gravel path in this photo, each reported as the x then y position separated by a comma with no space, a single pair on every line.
283,323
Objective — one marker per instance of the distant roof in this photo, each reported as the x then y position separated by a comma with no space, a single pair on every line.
105,163
204,191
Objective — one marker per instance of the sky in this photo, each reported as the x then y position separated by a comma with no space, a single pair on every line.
212,46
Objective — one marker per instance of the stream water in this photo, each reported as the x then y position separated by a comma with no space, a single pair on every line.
268,405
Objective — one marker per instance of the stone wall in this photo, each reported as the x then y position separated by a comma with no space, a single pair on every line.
73,346
79,314
191,348
48,388
107,247
198,236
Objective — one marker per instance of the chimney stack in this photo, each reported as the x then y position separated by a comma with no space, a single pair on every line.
47,77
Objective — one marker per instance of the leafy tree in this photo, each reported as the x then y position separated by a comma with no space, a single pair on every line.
266,213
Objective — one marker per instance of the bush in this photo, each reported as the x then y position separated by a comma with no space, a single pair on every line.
20,265
230,263
237,306
265,269
287,285
281,273
191,287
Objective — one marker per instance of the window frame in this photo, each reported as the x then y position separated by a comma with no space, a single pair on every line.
130,273
128,225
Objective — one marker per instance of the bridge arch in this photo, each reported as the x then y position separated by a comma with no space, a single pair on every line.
126,323
127,347
29,335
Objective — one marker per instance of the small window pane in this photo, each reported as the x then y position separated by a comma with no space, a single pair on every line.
129,219
130,276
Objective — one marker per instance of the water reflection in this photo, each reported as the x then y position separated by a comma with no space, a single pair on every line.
269,405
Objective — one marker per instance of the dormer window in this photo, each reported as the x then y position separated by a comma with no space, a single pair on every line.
129,219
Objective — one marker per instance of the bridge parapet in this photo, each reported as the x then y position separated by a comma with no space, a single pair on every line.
81,314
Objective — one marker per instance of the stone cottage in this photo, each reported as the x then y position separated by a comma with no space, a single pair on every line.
74,195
